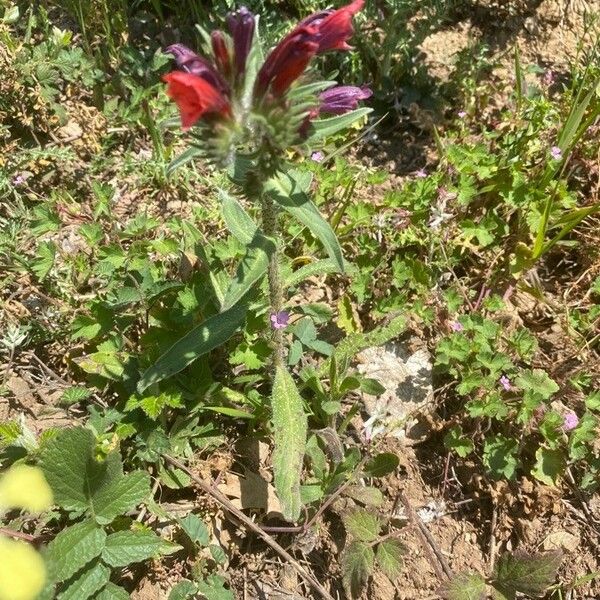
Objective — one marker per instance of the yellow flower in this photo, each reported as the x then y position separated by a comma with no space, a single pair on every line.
22,571
25,487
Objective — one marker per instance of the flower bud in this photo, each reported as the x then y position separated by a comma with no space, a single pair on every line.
241,26
221,53
343,98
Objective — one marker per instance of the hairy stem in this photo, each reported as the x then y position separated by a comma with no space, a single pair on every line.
269,223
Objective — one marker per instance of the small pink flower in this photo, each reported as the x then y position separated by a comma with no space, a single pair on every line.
18,180
456,326
571,420
505,383
549,78
421,174
556,153
317,156
280,320
461,114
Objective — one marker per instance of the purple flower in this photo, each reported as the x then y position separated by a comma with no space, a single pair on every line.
571,420
505,383
456,326
280,320
18,180
461,114
549,78
317,156
556,153
190,62
241,26
421,174
343,98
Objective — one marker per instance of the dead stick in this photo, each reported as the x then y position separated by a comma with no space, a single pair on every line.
427,541
221,499
17,534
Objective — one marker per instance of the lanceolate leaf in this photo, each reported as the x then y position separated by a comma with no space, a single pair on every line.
72,549
250,270
287,192
290,429
318,267
322,128
357,566
184,158
530,574
464,586
238,221
207,336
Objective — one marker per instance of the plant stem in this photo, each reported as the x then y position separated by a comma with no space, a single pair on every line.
269,223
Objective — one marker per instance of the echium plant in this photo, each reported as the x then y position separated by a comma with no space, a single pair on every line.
245,114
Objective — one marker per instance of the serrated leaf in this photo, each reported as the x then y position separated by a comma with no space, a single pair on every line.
289,436
207,336
213,588
250,270
120,496
362,525
357,565
365,494
195,529
389,558
112,592
382,464
44,260
125,547
287,192
530,574
72,549
86,584
183,590
464,586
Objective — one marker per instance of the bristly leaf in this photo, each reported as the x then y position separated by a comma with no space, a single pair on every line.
530,574
286,190
289,437
250,270
185,157
357,565
322,128
207,336
464,586
389,558
362,525
238,221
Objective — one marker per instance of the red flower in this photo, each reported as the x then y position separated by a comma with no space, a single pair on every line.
195,96
336,28
319,32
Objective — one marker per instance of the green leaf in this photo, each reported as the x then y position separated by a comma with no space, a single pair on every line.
213,588
81,483
500,456
362,525
112,592
530,574
185,157
382,464
538,382
251,269
126,547
464,586
195,529
120,496
207,336
357,565
286,191
86,584
44,260
290,430
389,558
549,465
183,590
455,440
238,221
365,494
318,267
72,549
321,128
